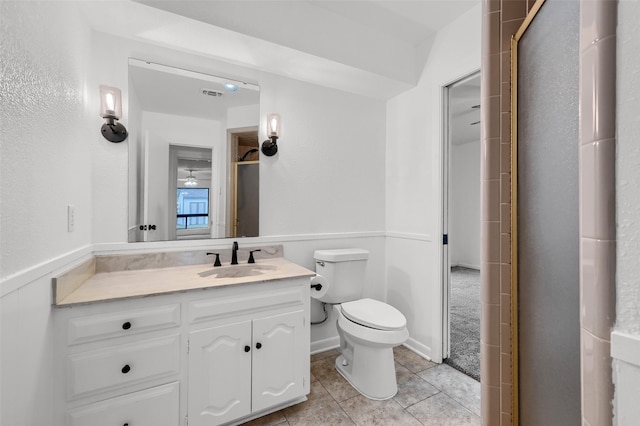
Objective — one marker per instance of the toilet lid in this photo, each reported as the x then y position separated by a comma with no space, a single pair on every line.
374,314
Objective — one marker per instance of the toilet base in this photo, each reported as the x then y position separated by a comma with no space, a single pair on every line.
373,375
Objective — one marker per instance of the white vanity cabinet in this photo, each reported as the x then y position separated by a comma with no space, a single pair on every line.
207,357
246,367
118,364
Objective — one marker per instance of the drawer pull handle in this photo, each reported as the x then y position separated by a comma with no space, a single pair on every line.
126,369
258,345
126,424
247,348
126,326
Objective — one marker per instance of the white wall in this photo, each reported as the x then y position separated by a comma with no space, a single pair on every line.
328,175
244,116
414,183
464,205
44,148
45,152
626,338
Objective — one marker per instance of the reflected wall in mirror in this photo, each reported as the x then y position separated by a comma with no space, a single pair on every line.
193,154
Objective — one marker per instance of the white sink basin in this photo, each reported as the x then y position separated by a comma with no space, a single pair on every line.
238,271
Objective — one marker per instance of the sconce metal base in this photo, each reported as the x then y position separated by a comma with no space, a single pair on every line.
115,132
269,147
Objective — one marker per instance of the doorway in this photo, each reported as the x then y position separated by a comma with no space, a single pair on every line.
190,177
461,217
244,183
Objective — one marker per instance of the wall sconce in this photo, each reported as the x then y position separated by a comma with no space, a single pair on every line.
269,147
111,111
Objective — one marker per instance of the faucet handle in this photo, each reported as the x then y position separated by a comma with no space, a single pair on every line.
251,259
217,262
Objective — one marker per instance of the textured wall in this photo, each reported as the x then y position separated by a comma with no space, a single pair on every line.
628,173
44,144
44,165
626,338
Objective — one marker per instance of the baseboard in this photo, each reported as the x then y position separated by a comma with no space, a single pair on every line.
468,266
423,350
325,345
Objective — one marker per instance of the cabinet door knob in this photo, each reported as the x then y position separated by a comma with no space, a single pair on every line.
258,345
126,325
126,369
247,348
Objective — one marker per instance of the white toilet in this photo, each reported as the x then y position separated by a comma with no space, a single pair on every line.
368,329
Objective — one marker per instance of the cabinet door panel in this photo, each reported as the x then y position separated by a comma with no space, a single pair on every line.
278,363
156,406
219,374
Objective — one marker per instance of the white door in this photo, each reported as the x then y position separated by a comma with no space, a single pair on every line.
155,190
278,351
219,374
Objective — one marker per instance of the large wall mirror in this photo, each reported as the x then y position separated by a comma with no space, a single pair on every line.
193,154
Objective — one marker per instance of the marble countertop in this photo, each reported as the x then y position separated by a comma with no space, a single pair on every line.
105,286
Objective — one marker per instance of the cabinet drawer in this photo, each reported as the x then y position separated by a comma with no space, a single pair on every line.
209,309
157,406
122,365
116,324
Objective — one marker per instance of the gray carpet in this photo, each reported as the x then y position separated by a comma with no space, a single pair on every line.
465,321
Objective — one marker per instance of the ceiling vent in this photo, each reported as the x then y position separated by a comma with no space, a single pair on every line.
209,92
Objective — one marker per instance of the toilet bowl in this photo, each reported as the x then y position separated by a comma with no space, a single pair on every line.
369,330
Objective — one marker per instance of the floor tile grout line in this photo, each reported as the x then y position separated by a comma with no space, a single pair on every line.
454,399
449,395
424,399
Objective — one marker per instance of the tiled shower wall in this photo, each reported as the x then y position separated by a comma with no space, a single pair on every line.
598,19
501,20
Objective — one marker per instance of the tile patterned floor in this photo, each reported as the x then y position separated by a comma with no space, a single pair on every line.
428,394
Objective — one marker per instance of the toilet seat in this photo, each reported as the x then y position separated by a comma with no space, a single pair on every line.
374,314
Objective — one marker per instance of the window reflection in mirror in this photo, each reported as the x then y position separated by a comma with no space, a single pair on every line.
189,131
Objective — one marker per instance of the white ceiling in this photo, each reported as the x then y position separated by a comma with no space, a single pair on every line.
368,47
412,21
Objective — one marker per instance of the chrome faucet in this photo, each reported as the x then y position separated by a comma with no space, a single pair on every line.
234,253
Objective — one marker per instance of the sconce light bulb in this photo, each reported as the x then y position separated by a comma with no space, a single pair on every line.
273,124
111,103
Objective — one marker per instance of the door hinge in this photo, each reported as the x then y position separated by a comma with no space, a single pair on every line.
445,239
186,420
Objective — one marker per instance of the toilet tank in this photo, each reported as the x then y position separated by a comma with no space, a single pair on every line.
344,270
